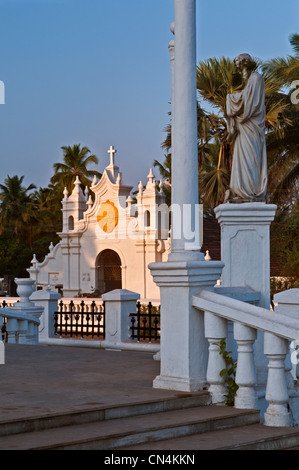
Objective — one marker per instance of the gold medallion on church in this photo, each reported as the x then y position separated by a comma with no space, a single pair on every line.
107,216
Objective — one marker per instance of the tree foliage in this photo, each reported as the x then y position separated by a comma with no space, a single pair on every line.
30,218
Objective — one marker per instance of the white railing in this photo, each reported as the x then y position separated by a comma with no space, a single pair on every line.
20,328
247,320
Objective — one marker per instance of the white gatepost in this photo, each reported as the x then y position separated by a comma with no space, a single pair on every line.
48,300
119,304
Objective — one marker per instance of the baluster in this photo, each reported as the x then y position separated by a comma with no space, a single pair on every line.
22,330
246,396
215,331
12,328
30,333
277,395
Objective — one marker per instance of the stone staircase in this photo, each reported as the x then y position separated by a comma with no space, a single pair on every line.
184,422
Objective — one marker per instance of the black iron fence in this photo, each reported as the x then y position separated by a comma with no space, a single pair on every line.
145,323
87,321
83,321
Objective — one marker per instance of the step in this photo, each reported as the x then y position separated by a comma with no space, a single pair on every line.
132,430
250,437
49,421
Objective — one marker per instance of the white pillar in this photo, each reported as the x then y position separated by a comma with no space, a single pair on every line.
184,348
184,163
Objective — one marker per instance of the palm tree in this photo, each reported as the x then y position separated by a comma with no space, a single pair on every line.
75,163
48,203
285,69
17,208
165,172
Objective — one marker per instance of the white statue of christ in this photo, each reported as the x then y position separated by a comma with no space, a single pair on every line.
246,127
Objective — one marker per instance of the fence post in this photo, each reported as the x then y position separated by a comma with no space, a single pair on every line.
49,301
119,304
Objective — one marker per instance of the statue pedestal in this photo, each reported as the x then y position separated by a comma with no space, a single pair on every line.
245,251
184,348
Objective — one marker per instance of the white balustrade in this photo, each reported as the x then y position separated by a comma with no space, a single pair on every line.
20,329
22,320
278,330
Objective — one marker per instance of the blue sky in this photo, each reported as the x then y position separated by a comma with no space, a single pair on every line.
97,72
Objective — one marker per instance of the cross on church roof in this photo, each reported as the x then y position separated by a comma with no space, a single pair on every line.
111,151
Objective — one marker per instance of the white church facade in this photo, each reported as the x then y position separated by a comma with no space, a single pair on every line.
107,240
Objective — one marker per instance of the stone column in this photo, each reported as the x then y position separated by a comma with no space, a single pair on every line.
184,174
245,251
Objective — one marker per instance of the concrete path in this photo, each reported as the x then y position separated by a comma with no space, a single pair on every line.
38,380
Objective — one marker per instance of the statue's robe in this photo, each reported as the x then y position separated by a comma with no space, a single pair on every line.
249,167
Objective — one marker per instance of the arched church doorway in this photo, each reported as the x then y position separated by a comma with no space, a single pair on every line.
108,267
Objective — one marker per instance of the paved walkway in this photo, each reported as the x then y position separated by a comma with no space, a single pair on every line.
38,380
